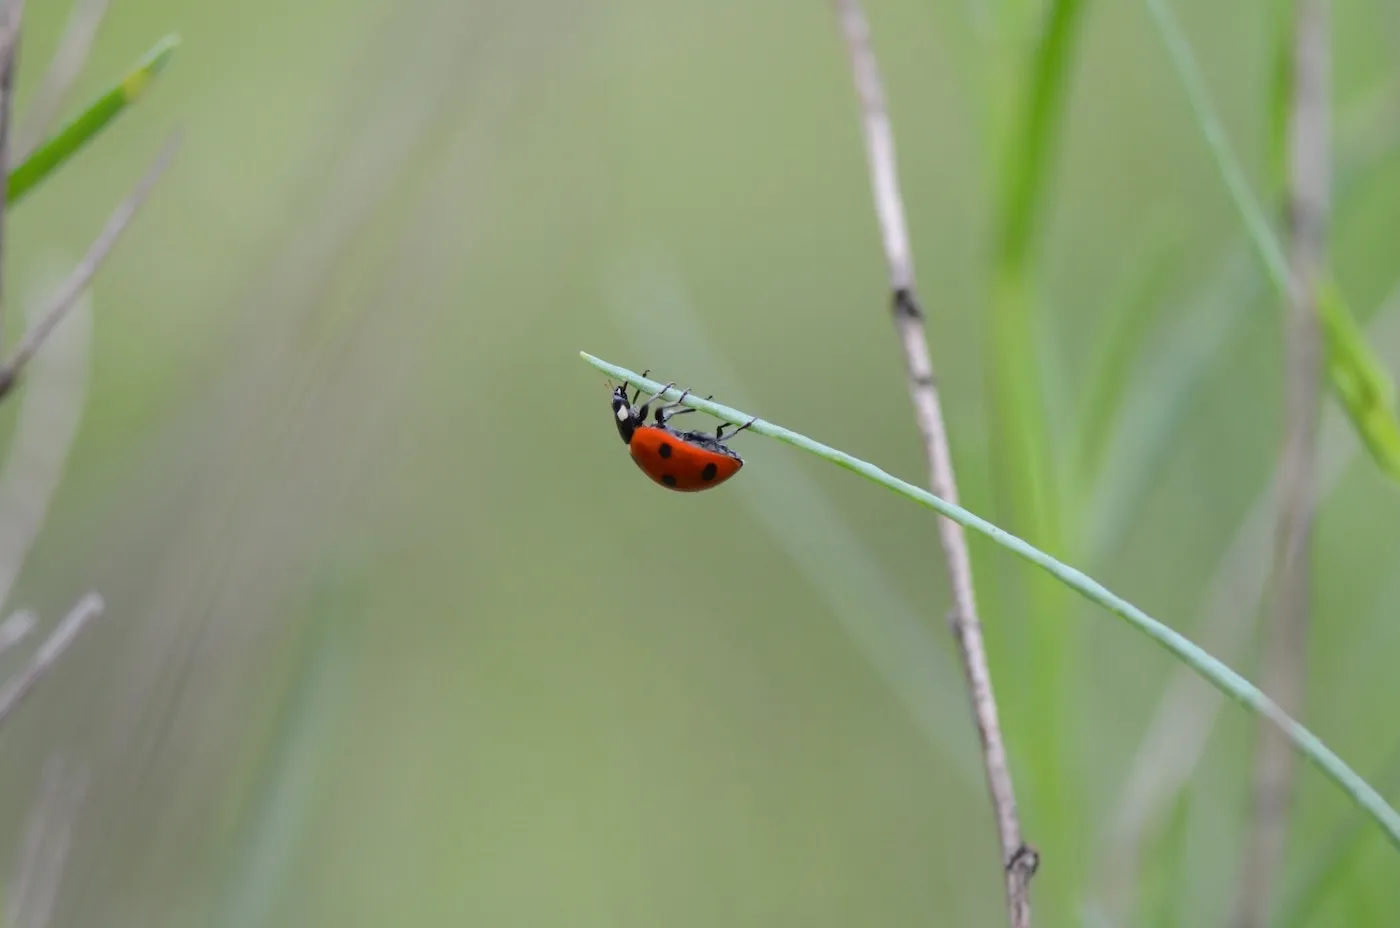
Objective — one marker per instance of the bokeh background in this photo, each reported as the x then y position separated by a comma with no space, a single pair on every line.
397,635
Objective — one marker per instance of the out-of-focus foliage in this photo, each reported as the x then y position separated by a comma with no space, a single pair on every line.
335,372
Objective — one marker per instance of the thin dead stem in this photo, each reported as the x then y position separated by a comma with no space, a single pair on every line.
47,421
1308,198
82,275
16,689
48,841
15,629
1019,861
73,49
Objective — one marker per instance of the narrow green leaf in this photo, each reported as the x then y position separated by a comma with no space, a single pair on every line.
1151,407
1280,97
1028,156
1024,457
283,796
1117,347
1168,888
1357,379
1212,670
69,140
1360,380
1334,861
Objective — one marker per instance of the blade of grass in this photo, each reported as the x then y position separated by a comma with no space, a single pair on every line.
1024,465
1029,156
1334,859
1336,863
69,140
284,797
1279,99
1162,903
1149,418
1212,670
11,15
78,36
1113,354
1179,355
1152,407
1361,384
1174,740
1359,379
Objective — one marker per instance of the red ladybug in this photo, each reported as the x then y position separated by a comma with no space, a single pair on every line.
684,461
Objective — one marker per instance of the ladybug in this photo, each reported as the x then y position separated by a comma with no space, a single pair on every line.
683,461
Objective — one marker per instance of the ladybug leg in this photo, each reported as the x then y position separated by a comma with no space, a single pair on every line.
719,432
642,409
665,412
639,389
653,397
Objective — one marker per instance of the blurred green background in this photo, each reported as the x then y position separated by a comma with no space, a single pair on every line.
397,635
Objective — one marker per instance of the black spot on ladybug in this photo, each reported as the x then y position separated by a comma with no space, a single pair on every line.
667,478
709,472
664,450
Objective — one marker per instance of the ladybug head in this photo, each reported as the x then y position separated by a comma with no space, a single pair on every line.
624,416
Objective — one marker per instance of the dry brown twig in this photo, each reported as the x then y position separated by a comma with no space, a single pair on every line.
16,628
1308,205
82,275
32,894
13,693
1019,860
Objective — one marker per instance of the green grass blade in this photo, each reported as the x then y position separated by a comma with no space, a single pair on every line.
1280,99
69,140
1361,382
1152,406
1028,156
283,796
1168,888
1024,460
1116,350
1261,234
1213,671
1357,379
1334,861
